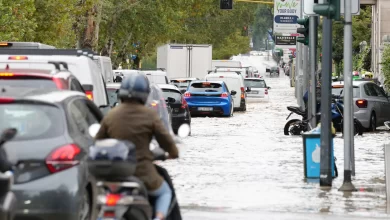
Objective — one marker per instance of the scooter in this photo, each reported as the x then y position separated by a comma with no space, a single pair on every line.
7,198
125,197
297,127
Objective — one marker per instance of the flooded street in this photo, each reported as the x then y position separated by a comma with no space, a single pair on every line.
245,165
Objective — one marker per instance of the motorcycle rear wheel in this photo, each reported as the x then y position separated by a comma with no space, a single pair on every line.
295,124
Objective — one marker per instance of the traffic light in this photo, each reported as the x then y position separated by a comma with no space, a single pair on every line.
331,9
305,31
226,4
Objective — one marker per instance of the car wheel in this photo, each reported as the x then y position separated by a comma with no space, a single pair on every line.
373,122
85,209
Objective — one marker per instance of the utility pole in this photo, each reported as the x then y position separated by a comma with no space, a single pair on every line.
348,96
299,75
330,9
313,33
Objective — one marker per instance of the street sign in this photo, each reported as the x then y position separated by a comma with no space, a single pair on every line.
285,40
308,6
286,14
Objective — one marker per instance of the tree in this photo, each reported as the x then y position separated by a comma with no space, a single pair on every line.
263,20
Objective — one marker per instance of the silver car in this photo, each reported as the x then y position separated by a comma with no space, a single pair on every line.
371,103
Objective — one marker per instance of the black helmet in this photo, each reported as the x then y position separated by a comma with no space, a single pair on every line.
135,86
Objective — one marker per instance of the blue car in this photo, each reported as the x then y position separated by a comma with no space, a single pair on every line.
209,98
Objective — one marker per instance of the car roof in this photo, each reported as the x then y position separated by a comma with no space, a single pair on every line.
184,78
153,72
38,94
39,72
228,74
213,81
168,86
113,85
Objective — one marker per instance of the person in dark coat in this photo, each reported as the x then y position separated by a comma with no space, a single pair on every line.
133,121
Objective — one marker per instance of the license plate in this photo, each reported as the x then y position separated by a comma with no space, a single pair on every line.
205,109
254,92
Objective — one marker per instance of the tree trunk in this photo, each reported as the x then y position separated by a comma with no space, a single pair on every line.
91,30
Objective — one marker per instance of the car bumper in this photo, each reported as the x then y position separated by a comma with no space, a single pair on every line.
364,117
52,197
218,109
257,98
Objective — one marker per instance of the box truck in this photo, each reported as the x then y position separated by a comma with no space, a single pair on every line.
185,60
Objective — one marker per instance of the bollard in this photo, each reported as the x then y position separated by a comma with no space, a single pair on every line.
387,175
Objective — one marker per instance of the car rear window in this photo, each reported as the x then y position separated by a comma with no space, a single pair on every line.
181,83
206,87
157,79
33,121
34,83
112,95
339,90
172,94
253,83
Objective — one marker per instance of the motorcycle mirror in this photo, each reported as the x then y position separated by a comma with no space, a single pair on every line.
94,129
8,134
184,130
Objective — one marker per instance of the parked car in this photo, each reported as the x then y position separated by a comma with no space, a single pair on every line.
371,103
210,98
257,89
51,179
38,78
81,64
234,80
182,83
180,111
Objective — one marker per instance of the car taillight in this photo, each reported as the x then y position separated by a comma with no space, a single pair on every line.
63,158
361,103
224,95
183,103
109,214
18,58
187,94
7,74
89,95
5,100
266,91
112,199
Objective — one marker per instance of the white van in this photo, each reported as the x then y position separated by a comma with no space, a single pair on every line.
156,76
82,67
234,81
106,68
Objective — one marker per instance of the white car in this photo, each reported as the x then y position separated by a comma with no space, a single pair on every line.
257,89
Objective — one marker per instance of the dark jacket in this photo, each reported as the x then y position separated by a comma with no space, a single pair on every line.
139,124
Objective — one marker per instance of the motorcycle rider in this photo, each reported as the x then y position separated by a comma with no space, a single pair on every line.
133,121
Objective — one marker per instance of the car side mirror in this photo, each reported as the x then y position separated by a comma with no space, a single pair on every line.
171,100
248,89
233,92
8,134
268,87
267,70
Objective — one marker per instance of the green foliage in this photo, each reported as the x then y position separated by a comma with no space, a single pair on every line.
263,20
386,66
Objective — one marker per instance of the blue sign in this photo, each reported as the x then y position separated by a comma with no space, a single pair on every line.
312,156
286,19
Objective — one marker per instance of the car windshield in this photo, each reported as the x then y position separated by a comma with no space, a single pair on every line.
254,83
33,121
339,91
169,93
206,87
112,95
21,82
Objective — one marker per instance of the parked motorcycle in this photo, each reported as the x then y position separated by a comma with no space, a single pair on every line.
121,195
297,127
7,198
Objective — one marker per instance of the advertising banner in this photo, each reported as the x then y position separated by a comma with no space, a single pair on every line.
286,40
286,14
